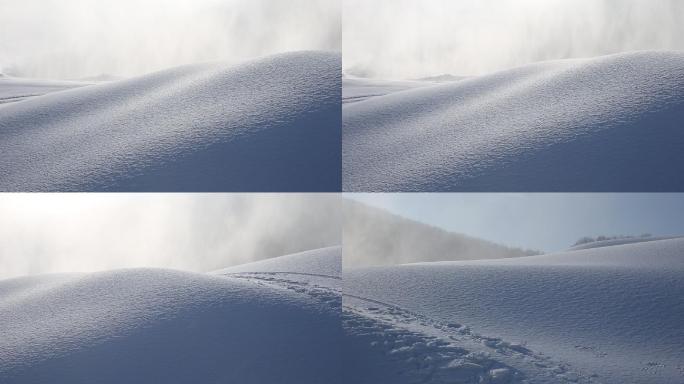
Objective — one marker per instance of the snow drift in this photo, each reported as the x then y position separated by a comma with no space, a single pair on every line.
155,325
610,123
271,124
603,315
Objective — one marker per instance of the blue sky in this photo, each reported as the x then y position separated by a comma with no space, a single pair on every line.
548,222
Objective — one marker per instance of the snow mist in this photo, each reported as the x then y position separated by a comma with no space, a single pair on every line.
45,233
72,39
411,39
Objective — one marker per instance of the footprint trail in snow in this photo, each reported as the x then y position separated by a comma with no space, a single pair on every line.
384,342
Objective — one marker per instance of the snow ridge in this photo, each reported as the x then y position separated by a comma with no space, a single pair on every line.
609,123
610,314
271,124
156,325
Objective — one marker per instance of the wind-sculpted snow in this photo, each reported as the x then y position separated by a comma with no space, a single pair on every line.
603,315
610,123
164,326
272,124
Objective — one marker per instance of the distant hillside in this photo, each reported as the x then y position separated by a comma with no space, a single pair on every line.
443,78
607,241
373,236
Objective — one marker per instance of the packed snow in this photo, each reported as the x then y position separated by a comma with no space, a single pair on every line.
270,124
604,315
157,325
610,123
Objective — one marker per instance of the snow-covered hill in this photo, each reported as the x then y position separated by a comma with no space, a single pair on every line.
609,123
618,241
156,325
271,124
604,315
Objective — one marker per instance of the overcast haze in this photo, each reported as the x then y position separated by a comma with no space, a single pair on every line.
548,222
411,39
81,38
42,233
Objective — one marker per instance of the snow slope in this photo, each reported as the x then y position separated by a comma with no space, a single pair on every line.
271,124
155,325
445,77
324,261
355,89
603,315
609,123
103,77
14,89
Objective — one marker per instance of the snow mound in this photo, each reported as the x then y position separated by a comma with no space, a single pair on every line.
603,315
271,124
610,123
324,261
152,325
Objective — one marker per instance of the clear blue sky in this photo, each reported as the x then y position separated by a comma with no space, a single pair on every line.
548,222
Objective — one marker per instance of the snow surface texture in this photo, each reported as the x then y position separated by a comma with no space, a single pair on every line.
271,124
165,326
603,315
611,123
